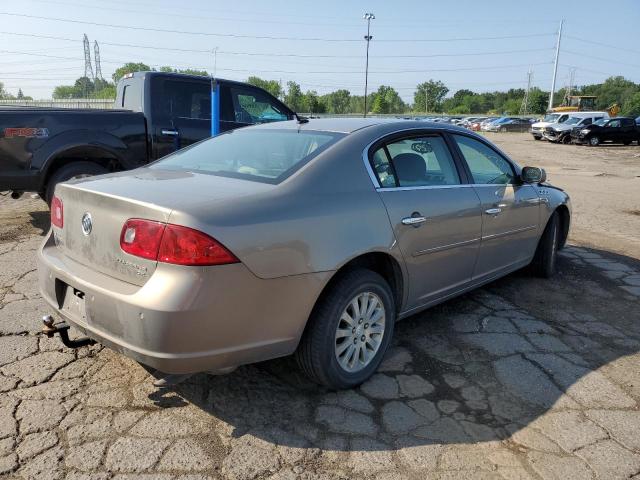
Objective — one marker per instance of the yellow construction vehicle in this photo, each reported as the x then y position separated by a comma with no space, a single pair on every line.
584,103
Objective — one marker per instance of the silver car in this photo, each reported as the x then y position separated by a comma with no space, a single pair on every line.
309,238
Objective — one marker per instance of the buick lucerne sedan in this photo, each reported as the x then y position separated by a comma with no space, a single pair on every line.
309,238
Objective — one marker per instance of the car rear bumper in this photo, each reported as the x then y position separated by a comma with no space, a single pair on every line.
184,319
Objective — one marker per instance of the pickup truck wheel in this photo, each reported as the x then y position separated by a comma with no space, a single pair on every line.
594,141
69,171
544,260
349,331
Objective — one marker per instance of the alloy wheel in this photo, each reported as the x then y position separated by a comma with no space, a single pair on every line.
360,331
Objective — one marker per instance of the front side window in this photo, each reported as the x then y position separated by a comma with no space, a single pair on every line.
614,124
268,156
415,162
253,106
486,165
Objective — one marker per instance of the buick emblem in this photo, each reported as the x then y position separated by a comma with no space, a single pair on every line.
87,223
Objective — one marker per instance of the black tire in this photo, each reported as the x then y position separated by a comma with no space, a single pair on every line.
69,171
594,141
316,354
544,260
535,137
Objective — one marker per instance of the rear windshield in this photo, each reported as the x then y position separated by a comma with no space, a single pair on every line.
267,156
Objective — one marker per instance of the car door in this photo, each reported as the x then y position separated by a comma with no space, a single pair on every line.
181,113
435,215
628,130
510,209
612,131
243,105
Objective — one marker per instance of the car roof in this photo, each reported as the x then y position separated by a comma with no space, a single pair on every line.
183,76
585,114
352,124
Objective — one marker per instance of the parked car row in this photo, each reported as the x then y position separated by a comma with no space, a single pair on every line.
590,128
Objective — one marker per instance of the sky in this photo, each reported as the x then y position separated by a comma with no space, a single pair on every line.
478,45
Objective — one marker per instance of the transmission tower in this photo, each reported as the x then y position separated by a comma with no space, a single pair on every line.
88,69
524,108
96,59
570,86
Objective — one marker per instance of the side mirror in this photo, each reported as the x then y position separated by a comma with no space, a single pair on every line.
533,175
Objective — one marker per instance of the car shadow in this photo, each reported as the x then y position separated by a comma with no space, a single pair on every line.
477,368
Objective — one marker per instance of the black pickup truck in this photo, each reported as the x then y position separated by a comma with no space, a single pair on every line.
156,113
615,130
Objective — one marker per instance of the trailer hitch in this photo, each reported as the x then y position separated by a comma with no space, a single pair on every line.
62,329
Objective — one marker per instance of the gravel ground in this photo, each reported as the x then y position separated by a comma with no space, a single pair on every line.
525,378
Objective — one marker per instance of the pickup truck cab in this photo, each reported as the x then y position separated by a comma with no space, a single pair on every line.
616,130
537,129
156,114
561,132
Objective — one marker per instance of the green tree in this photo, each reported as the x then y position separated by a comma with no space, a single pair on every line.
186,71
429,96
271,86
312,103
129,68
538,101
631,107
338,101
64,91
387,100
380,105
294,98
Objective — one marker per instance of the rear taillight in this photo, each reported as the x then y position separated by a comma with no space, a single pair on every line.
142,237
57,212
175,244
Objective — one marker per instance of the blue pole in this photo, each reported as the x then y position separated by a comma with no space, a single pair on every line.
215,108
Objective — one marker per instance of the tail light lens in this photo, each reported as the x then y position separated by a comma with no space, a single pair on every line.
175,244
57,212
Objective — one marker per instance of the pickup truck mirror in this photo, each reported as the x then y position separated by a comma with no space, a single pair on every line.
533,175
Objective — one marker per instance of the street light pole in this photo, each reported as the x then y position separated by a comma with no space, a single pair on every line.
368,17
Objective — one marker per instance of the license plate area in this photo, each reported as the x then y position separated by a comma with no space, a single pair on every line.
71,301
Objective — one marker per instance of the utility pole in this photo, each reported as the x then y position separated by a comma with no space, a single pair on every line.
96,59
555,67
368,17
215,60
525,101
426,99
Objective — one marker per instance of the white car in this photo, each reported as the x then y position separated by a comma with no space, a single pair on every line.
537,129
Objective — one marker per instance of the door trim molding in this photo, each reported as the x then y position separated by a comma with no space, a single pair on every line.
445,247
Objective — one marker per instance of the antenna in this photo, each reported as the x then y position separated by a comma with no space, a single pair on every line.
96,59
524,108
88,69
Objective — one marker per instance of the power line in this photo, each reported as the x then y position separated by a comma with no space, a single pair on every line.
601,59
267,37
616,47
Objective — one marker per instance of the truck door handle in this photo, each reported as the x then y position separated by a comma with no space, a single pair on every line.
414,221
171,133
493,211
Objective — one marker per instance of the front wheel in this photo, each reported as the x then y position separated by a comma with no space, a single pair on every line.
536,137
544,260
349,331
594,141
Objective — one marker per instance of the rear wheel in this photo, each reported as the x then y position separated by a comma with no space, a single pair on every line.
594,141
348,331
544,260
70,171
535,137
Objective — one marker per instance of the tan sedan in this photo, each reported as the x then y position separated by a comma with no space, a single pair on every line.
311,238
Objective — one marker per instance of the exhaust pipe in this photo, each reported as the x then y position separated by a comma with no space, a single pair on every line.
62,329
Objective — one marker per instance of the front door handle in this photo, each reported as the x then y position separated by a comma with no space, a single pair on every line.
170,133
414,221
493,211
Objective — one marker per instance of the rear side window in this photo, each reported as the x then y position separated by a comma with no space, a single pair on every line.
131,98
182,99
415,162
267,156
627,122
486,165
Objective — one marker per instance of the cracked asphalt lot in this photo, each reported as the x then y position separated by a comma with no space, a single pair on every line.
523,379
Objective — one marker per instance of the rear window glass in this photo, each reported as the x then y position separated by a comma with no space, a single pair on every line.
267,156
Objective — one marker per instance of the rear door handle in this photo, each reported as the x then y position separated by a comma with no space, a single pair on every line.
493,211
171,133
414,221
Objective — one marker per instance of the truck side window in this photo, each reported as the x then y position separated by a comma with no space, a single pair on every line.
586,121
183,99
253,106
131,97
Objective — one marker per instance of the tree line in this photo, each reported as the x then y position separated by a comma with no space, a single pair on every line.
431,96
